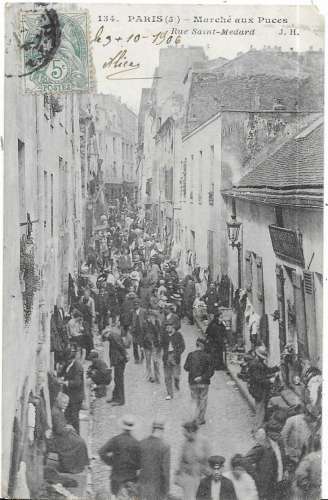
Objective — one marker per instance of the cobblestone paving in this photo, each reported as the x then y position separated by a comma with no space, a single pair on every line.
228,419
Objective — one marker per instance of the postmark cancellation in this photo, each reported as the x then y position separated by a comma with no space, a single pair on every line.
55,52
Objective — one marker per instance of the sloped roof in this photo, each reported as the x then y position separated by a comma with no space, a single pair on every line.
252,81
286,64
299,163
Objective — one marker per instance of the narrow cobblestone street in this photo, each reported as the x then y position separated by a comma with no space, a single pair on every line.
228,419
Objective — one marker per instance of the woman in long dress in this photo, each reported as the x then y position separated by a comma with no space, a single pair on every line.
71,448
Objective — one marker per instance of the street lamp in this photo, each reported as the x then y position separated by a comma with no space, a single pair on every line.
233,229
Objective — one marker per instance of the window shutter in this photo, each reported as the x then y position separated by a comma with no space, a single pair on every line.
260,290
300,314
311,326
248,273
281,305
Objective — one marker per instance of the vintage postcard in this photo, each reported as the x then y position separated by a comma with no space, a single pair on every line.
163,251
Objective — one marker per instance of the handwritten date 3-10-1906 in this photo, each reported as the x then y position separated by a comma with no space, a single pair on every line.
120,62
162,37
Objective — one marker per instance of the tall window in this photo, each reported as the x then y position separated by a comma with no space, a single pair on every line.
65,193
200,168
212,155
21,181
114,145
45,198
52,204
183,179
191,177
123,151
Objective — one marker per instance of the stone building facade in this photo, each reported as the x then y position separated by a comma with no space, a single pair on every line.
282,245
232,116
117,130
42,245
162,109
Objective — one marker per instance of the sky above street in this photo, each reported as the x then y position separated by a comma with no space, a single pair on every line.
128,37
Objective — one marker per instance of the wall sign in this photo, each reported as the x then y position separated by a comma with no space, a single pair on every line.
286,245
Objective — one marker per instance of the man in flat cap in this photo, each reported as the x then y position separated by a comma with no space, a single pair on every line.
122,453
199,366
216,486
154,478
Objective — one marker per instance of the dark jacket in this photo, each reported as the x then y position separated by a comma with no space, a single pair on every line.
199,364
259,379
71,448
215,334
227,491
178,346
138,325
97,371
261,464
151,337
127,311
102,303
122,453
189,293
154,478
211,298
117,352
75,387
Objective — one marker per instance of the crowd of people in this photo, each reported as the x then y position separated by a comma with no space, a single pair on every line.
131,295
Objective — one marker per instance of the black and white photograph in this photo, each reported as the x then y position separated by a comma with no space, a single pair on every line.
163,251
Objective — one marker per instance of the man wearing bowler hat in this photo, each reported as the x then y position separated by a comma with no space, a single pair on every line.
216,486
122,453
154,478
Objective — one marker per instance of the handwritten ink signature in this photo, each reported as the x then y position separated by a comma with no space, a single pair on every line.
121,62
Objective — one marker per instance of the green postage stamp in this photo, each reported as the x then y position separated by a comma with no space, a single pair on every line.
55,52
